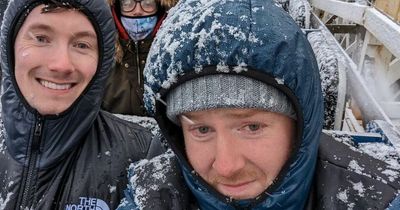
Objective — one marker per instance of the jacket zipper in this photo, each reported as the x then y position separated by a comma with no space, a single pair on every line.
32,157
138,63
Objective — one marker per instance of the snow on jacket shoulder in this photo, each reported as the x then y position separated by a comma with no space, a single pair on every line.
351,177
156,184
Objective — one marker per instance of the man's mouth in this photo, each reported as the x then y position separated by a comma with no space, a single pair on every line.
55,86
235,190
235,185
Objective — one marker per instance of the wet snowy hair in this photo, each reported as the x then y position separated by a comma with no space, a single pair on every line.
56,6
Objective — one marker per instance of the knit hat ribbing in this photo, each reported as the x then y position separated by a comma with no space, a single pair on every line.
226,91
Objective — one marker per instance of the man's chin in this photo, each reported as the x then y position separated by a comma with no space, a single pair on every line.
239,192
53,110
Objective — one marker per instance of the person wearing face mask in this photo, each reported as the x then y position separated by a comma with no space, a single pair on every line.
137,22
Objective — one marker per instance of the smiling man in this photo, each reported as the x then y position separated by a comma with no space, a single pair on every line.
58,149
55,62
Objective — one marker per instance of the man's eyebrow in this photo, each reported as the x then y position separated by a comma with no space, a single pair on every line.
39,26
44,27
235,115
249,113
89,34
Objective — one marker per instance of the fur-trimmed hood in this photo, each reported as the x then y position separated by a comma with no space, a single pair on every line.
165,3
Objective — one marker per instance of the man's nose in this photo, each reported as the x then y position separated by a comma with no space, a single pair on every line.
61,60
228,158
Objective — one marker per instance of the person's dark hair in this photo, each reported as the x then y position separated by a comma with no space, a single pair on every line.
56,6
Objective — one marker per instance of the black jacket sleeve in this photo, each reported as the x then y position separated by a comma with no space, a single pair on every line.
347,178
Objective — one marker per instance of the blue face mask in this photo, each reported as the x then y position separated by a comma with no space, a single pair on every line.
139,28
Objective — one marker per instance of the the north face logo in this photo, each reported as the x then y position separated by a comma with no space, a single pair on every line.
86,203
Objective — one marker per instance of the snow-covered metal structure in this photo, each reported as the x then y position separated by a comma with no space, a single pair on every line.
357,45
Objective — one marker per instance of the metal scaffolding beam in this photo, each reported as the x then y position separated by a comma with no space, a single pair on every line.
381,26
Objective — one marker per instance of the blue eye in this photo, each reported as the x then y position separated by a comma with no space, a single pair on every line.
254,127
41,39
203,129
82,45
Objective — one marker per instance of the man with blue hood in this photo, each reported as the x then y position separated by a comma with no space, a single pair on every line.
58,150
235,89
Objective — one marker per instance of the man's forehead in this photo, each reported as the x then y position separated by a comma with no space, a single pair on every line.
228,112
47,21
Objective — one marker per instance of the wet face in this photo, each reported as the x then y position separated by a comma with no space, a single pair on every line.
238,151
138,8
55,59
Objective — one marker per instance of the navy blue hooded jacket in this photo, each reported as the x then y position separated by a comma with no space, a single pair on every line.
254,38
78,158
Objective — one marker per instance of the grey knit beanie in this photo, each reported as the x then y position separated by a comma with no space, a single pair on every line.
226,91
